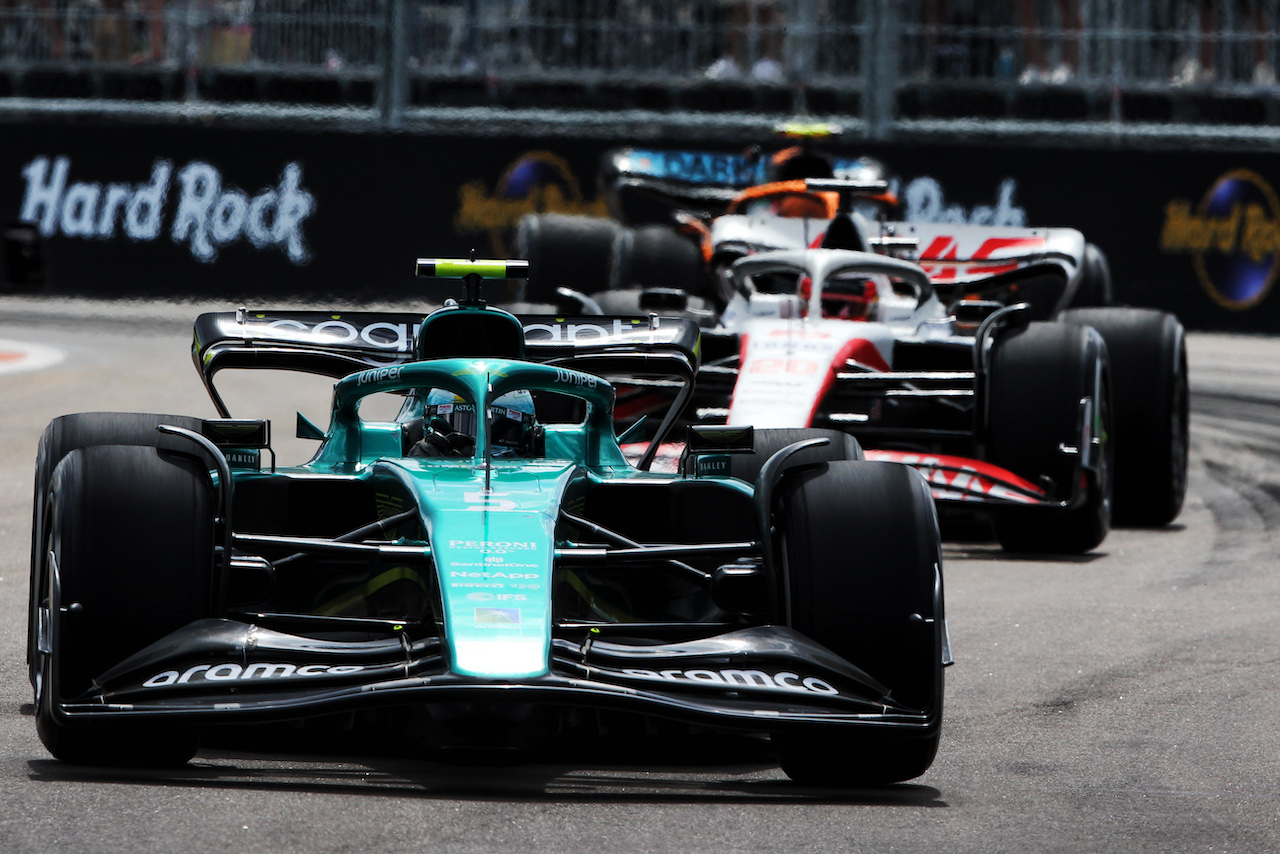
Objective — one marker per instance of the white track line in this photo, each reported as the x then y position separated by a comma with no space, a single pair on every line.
18,356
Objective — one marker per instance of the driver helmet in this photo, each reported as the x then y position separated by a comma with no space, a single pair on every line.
851,298
449,424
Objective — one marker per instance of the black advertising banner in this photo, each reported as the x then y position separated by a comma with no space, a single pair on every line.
251,214
183,211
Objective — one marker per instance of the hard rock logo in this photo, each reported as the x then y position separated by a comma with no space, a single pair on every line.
537,182
1233,238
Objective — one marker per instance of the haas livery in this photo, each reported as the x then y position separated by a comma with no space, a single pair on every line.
984,353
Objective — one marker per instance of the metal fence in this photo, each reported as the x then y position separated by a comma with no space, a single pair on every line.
1157,44
880,65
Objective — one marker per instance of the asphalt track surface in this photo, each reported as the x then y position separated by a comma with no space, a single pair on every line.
1126,701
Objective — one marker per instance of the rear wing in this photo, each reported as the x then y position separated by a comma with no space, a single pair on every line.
692,168
336,344
957,255
639,180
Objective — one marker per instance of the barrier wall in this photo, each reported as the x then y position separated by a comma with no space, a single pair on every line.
257,215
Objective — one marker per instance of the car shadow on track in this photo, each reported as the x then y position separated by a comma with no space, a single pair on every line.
733,771
983,549
992,551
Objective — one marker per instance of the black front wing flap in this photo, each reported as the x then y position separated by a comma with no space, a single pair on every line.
224,671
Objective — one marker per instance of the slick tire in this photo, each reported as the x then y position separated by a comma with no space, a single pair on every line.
1038,376
576,252
864,578
1148,354
64,435
1094,287
130,530
842,446
658,257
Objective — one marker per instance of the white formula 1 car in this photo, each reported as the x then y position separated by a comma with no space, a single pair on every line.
1002,414
988,356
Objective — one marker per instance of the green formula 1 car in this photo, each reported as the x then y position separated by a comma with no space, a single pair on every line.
489,549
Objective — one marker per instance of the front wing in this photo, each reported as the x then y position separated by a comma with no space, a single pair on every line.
962,480
756,679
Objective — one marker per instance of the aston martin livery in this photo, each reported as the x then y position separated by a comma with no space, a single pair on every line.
489,549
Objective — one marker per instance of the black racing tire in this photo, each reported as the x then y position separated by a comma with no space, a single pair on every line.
1148,354
842,446
659,257
1094,287
1038,376
64,435
132,531
577,252
864,568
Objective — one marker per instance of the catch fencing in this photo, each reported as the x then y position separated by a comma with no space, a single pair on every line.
1167,68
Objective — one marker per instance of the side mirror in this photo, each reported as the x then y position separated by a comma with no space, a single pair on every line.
577,301
308,430
632,432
